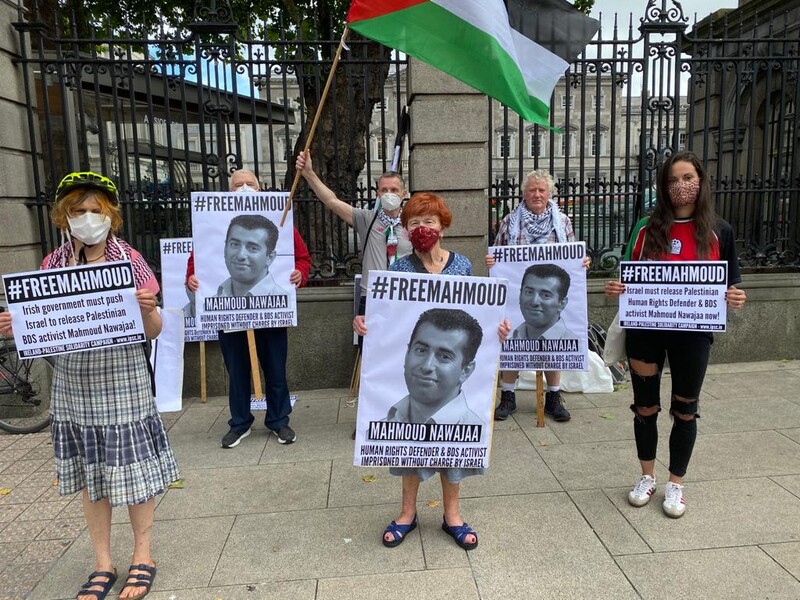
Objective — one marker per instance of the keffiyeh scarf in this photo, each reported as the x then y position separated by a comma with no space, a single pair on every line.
391,225
536,229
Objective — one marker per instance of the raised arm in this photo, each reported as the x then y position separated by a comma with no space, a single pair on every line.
341,209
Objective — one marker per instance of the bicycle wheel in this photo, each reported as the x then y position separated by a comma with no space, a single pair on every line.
24,392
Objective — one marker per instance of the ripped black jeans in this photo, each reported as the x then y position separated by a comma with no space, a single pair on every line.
687,352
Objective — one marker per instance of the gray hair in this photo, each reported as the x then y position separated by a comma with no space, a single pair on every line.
541,175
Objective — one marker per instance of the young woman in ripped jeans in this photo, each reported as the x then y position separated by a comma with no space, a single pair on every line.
682,227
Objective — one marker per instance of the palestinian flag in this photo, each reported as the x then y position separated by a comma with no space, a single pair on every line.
514,51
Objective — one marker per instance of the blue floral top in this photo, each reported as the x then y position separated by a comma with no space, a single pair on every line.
457,264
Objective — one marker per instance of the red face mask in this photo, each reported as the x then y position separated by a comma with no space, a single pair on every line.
423,238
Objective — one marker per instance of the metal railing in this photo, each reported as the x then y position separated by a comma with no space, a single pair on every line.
727,89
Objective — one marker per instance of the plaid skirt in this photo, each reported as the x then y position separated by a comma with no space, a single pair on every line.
107,434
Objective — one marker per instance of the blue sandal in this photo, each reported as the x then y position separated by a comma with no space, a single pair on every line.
459,533
111,579
144,580
399,532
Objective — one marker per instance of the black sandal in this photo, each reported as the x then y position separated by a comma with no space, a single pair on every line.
144,580
111,579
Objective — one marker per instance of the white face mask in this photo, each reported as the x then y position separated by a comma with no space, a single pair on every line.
90,228
246,188
390,202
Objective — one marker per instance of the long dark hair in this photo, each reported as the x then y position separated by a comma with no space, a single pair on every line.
657,242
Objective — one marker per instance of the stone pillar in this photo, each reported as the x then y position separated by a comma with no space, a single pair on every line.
19,242
449,154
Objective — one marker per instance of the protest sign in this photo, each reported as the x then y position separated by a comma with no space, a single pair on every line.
243,260
434,409
546,306
174,256
680,296
57,311
166,358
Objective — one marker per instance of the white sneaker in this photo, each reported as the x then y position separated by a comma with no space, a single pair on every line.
674,503
641,492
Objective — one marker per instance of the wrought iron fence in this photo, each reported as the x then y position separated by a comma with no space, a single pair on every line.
178,112
726,88
182,110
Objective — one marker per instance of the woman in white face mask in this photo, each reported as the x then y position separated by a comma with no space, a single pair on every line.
108,438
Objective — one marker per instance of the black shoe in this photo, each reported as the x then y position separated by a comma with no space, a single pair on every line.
285,435
554,406
507,406
233,438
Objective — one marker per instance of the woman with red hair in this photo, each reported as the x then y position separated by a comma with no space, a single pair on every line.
425,217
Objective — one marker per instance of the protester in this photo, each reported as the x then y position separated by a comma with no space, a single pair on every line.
426,217
536,220
108,437
682,227
271,343
383,238
381,231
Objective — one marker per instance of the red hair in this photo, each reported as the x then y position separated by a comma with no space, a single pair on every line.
423,204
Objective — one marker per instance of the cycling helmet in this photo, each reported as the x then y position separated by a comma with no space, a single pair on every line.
90,180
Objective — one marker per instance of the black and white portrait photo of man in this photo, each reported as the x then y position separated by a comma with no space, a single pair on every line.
543,295
439,358
249,251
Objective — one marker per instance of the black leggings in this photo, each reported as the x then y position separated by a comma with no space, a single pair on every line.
687,352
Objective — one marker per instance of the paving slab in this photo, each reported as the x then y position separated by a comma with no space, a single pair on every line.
362,486
793,434
421,585
273,590
742,414
348,409
614,531
755,367
177,567
791,483
718,514
514,468
313,412
245,490
552,543
621,396
203,450
338,542
196,418
715,574
726,386
786,555
317,443
597,425
595,465
738,455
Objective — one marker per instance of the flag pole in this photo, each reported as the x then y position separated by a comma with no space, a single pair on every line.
310,136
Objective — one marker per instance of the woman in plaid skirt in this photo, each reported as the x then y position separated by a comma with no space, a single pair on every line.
108,437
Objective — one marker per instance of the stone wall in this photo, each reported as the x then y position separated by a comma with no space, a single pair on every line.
19,242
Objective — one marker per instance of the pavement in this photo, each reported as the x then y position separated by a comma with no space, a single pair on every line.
300,522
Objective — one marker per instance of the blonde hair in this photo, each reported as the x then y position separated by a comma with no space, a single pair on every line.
64,207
